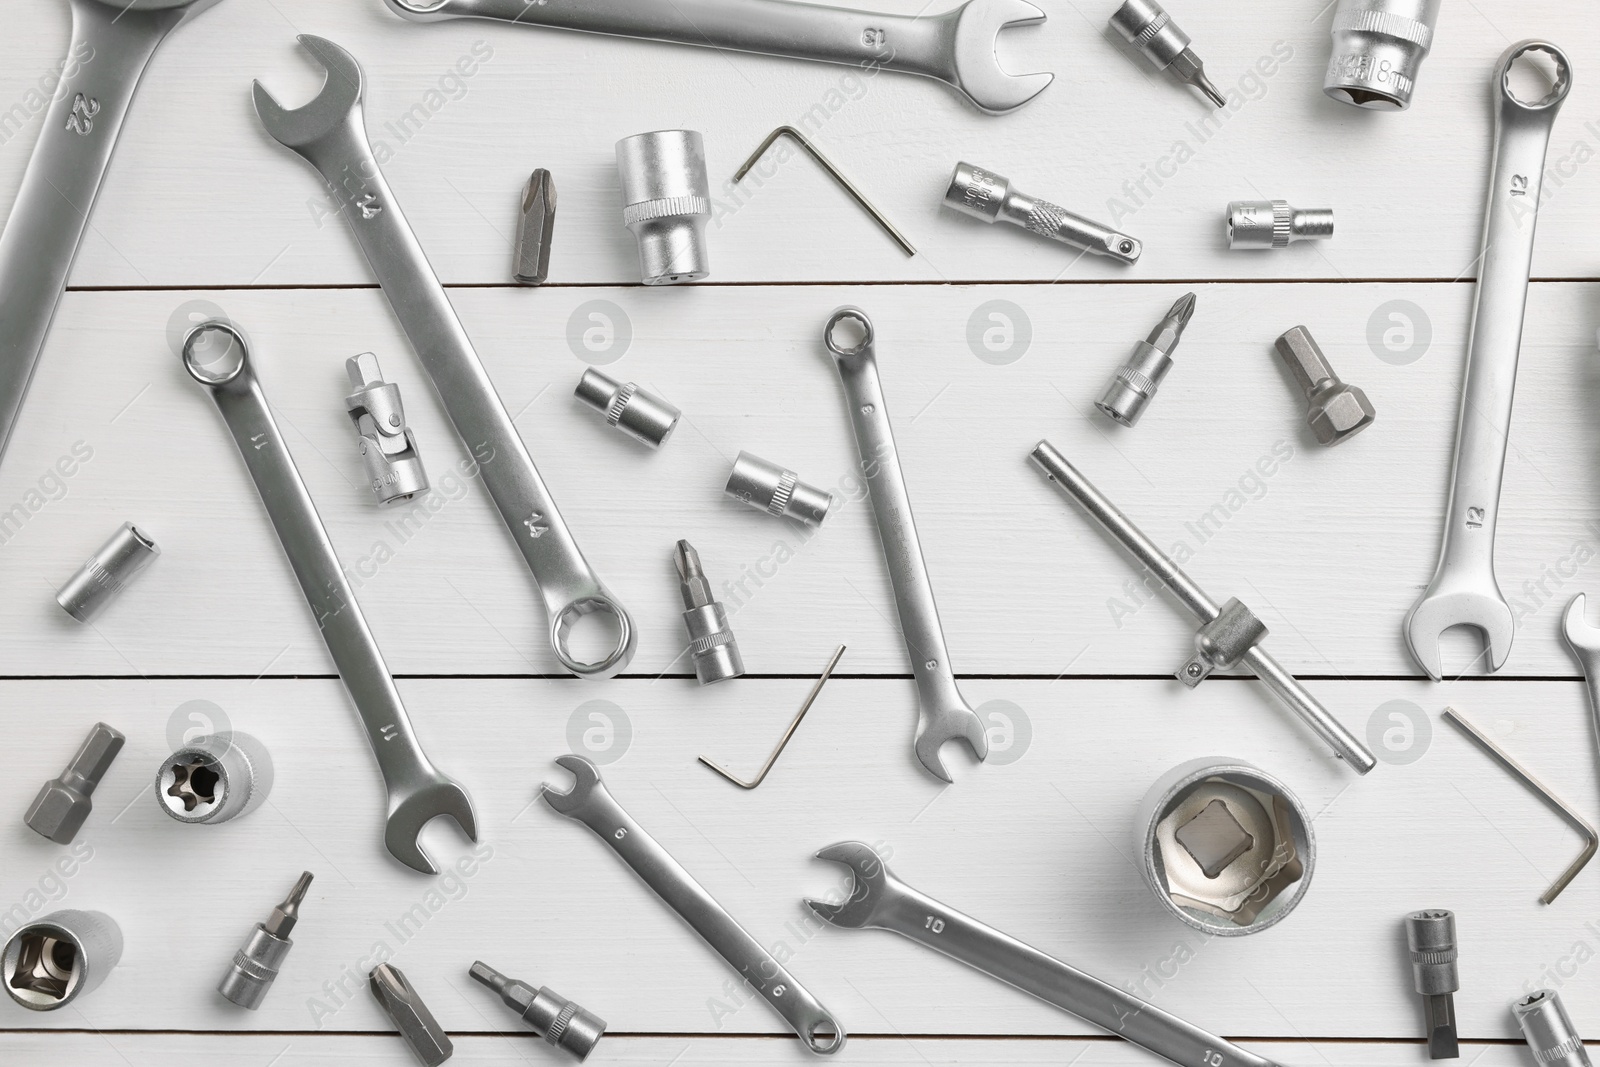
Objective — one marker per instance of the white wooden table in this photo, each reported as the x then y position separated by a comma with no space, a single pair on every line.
1331,547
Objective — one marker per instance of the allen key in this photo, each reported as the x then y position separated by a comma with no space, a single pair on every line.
1540,790
827,672
833,172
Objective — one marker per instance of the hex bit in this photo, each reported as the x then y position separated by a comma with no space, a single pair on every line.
535,223
1431,938
256,965
63,803
1336,411
1136,381
553,1017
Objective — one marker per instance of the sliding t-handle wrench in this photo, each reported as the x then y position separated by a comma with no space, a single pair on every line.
112,42
217,356
1464,591
955,46
330,134
879,900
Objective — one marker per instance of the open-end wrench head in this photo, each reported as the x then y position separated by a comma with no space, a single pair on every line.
1437,612
421,10
339,96
1581,635
420,807
978,74
586,781
191,7
872,884
935,727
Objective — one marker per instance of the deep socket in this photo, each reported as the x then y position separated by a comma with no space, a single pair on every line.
1378,49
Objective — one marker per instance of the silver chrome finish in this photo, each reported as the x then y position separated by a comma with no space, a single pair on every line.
666,202
637,412
1146,25
536,223
1549,1031
776,490
878,900
50,962
405,1008
955,46
1584,641
794,724
1464,591
112,42
1435,975
986,195
562,1023
107,573
1378,49
330,134
63,803
589,802
712,646
1258,224
255,966
388,447
1134,384
943,714
215,778
1283,684
418,791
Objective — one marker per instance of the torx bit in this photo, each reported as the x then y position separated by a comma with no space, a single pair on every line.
256,965
986,195
1135,383
711,643
63,803
553,1017
1431,937
410,1015
1148,27
537,220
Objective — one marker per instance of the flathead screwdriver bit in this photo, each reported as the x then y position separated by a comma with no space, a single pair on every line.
1431,937
1135,383
534,225
553,1017
1148,27
256,965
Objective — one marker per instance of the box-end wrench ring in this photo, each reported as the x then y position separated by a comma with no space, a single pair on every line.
1464,591
589,802
330,133
217,356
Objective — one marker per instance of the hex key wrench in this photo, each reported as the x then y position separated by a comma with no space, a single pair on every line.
112,42
1464,591
943,714
217,356
589,802
955,46
879,900
330,133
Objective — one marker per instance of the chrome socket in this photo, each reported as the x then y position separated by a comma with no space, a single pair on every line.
107,573
52,961
215,779
563,1023
776,490
388,447
711,642
666,202
637,412
1256,224
1549,1031
1378,49
255,966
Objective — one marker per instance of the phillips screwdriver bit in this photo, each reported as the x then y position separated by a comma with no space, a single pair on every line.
553,1017
410,1015
711,643
256,965
1136,381
1431,937
535,223
1148,27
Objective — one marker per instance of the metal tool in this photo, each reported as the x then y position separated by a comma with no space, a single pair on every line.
562,1023
388,447
330,134
711,642
52,206
63,803
215,355
1540,790
943,714
833,172
422,1032
1136,381
1378,49
1584,641
986,195
637,412
589,802
50,962
1549,1031
955,46
1335,411
215,778
1283,684
666,202
1259,224
1431,940
776,490
107,573
255,966
1146,25
794,724
1463,591
536,222
879,900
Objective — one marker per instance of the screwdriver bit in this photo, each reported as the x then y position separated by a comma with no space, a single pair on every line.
986,195
257,963
711,643
1431,937
1136,381
410,1015
1147,26
1336,411
554,1018
536,221
63,803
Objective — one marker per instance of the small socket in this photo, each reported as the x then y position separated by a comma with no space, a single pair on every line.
1549,1031
52,961
388,448
1256,224
535,223
107,573
215,779
256,965
63,803
553,1017
1335,411
776,490
1136,381
637,412
666,202
711,642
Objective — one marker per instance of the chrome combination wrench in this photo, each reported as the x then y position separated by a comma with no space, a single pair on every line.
955,46
879,900
330,133
589,802
217,356
943,713
1464,591
112,42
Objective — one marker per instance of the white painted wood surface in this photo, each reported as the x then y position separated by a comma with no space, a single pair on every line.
1329,546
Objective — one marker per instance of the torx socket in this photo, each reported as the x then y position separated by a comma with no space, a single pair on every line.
637,412
1431,939
1257,224
63,803
215,778
711,642
1334,411
1549,1031
553,1017
1136,381
776,490
1378,49
107,573
52,961
666,201
422,1032
988,196
1146,25
535,223
388,447
256,965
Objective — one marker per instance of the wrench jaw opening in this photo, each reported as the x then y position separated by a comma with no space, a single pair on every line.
870,884
976,71
935,727
586,784
1441,610
1582,638
421,10
409,814
562,621
336,103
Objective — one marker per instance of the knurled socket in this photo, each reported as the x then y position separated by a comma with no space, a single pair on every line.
1549,1031
565,1024
1431,937
666,202
1252,224
216,778
54,960
107,573
776,490
1378,49
637,412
